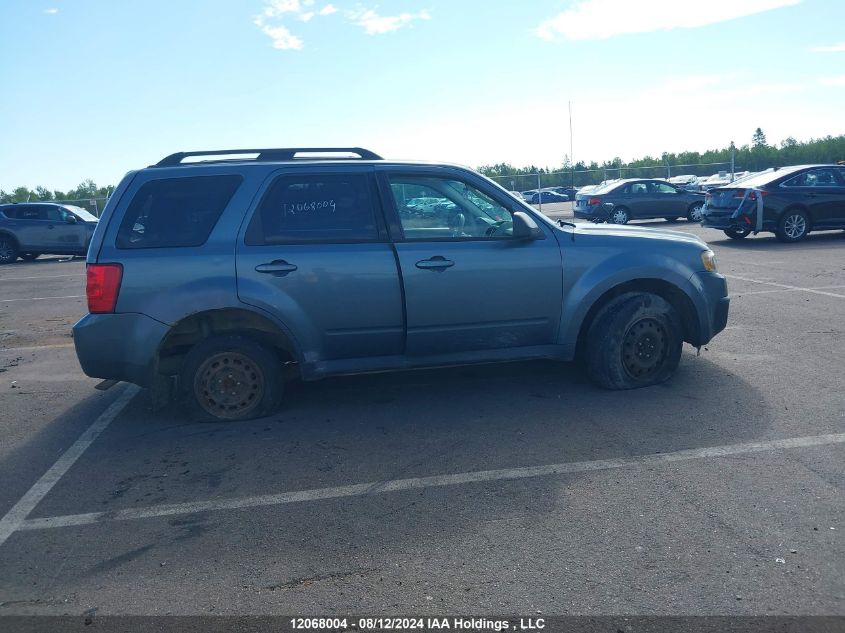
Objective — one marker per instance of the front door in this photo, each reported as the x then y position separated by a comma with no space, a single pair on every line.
315,254
469,284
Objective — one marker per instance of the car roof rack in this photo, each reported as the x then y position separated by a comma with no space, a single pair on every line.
272,154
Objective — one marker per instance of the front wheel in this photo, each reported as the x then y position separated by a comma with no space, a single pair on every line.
793,226
231,378
634,341
694,213
737,234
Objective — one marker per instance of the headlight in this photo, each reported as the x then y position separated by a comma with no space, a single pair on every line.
708,259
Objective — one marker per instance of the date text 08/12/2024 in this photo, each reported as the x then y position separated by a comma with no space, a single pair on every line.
419,624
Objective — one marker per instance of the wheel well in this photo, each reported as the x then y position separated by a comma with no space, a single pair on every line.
797,207
671,293
202,325
11,236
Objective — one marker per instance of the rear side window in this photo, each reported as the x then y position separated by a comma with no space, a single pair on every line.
315,208
174,212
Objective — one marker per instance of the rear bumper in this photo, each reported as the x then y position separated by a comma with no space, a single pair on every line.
590,214
119,346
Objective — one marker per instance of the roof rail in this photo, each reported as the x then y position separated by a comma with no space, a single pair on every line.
271,154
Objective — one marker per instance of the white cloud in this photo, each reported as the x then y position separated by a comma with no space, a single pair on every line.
282,38
601,19
838,80
276,10
834,48
52,11
375,24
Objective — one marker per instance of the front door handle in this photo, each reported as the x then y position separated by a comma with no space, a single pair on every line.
278,267
437,263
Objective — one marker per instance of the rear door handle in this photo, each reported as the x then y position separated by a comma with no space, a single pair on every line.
279,268
437,263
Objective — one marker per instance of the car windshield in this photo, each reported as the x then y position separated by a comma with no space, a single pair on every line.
758,180
82,214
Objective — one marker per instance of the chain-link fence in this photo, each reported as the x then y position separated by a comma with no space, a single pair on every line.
582,177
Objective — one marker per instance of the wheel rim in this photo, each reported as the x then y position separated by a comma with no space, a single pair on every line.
695,213
620,217
229,385
7,251
644,348
795,225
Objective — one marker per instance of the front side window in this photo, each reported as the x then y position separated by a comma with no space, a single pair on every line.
315,208
443,208
175,212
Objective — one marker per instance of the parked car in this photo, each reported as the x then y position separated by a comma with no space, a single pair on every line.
686,181
547,197
517,195
273,263
31,229
795,201
527,194
638,199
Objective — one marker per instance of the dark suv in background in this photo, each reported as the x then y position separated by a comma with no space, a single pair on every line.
211,279
638,199
789,202
30,229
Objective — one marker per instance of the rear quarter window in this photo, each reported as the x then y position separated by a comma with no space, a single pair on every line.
175,212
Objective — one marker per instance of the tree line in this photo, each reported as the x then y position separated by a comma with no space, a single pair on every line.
754,156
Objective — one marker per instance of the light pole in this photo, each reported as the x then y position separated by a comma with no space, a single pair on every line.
733,157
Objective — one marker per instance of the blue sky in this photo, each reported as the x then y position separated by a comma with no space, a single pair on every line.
92,89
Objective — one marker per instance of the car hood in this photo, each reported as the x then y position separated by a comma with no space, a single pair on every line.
598,231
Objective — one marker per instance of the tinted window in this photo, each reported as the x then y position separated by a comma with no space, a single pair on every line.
9,212
175,211
814,178
54,214
317,208
29,212
435,208
662,187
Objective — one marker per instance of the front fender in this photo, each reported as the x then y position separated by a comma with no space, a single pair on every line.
589,287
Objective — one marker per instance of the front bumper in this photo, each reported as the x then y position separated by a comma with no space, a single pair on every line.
715,304
119,346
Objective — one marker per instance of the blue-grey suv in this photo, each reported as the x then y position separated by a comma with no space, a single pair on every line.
208,276
31,229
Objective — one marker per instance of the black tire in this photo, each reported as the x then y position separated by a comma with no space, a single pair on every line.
737,234
29,257
255,371
694,212
619,215
793,226
634,341
8,249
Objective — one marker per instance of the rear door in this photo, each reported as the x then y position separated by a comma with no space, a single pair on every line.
29,228
469,284
821,192
315,254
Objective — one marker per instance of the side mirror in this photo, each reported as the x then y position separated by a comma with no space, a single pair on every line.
71,219
525,228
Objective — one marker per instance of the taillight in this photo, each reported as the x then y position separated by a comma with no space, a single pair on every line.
593,201
752,195
102,286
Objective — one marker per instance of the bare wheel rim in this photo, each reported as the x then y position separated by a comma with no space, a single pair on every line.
695,213
620,217
644,348
229,385
6,249
795,225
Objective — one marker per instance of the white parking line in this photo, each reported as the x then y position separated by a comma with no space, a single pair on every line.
15,517
768,292
785,286
379,487
42,298
80,275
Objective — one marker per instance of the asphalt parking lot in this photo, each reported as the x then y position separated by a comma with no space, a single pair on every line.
517,488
